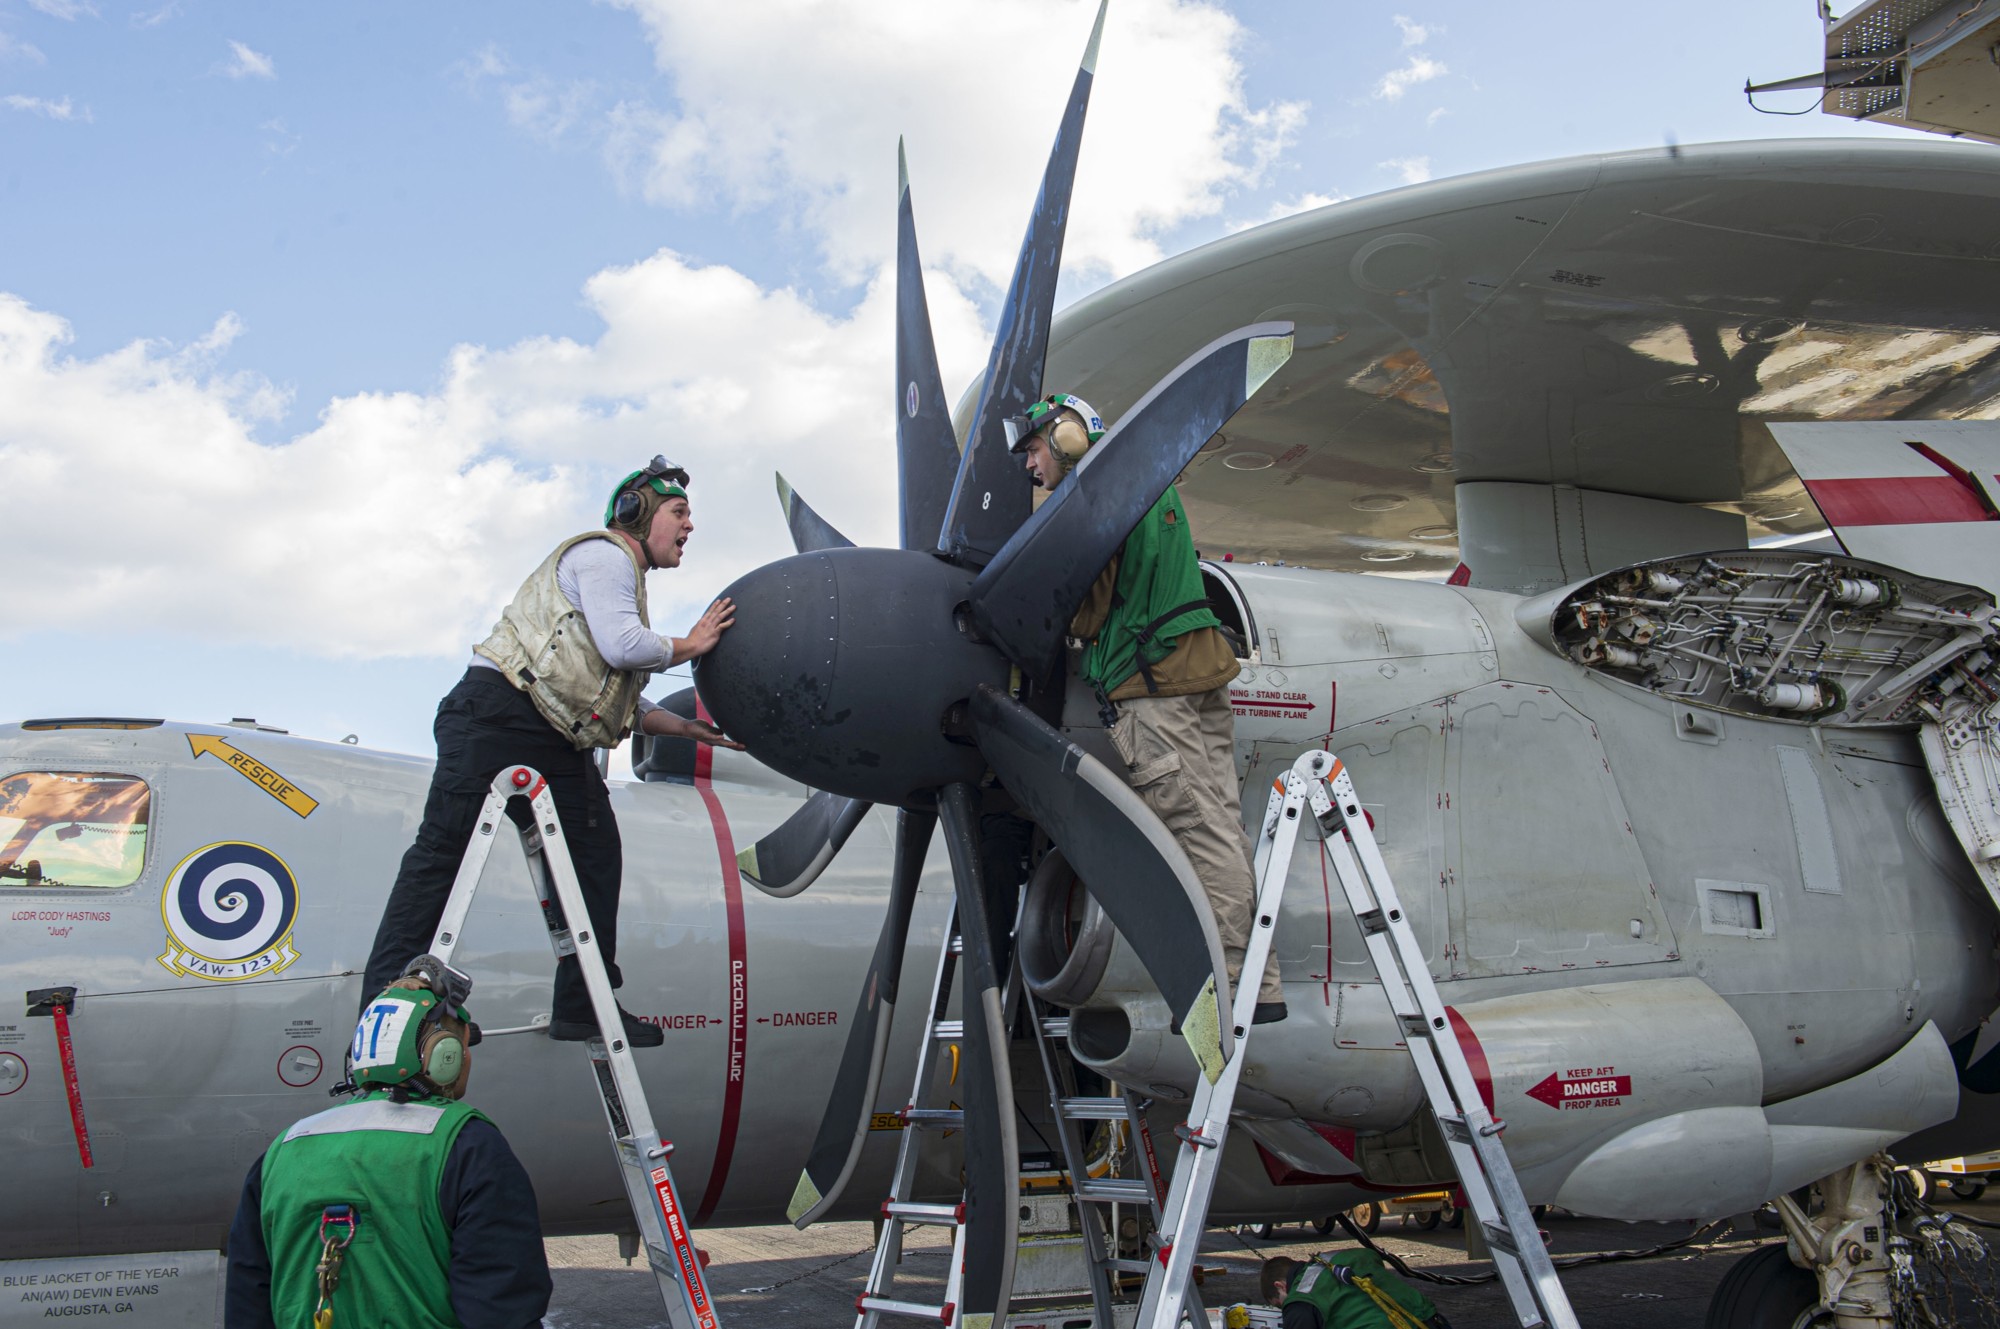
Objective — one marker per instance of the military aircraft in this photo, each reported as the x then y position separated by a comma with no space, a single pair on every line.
1695,825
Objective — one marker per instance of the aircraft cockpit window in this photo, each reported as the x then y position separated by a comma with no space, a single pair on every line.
72,830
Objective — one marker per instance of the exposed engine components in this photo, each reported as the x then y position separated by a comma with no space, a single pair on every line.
1767,633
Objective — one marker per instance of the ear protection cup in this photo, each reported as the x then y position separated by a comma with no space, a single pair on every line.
627,507
442,1053
1068,440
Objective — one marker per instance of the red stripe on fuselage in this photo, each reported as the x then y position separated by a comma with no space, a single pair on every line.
737,977
1475,1055
1897,500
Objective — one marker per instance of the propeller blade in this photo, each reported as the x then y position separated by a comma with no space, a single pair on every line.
791,858
992,1151
992,494
1026,596
926,447
844,1126
810,531
1127,859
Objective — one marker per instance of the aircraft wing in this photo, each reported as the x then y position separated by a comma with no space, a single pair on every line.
1569,365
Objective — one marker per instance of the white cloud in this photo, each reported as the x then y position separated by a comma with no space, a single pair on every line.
547,109
977,90
247,63
1431,120
1412,170
278,138
12,48
143,18
1420,69
402,520
1414,33
64,9
60,109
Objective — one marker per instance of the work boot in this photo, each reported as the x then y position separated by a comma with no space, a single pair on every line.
1270,1012
638,1033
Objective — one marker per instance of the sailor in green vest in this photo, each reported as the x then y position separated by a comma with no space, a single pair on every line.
559,677
1345,1290
1161,669
400,1209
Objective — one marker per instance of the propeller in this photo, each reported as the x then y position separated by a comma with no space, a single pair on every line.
791,857
809,530
844,1126
992,496
891,676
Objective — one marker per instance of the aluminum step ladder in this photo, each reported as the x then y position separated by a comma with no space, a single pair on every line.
1320,781
1095,1198
899,1212
642,1154
1166,1300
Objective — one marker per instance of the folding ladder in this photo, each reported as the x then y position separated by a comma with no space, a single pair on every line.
1319,781
642,1154
1144,1190
899,1211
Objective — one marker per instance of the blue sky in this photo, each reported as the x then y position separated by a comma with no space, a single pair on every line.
318,324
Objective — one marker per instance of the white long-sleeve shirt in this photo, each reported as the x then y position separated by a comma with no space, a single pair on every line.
596,577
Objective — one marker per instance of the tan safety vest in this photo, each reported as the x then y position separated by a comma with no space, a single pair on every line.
543,645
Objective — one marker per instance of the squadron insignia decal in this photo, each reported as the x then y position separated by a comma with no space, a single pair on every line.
229,909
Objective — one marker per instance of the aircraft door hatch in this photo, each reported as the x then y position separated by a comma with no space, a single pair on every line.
1542,870
1238,623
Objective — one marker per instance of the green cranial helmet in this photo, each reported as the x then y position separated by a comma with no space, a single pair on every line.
628,503
411,1036
1067,439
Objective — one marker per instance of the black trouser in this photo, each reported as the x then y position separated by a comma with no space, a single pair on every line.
484,725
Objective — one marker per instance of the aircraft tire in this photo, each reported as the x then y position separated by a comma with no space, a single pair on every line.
1764,1290
1367,1216
1265,1231
1427,1222
1325,1227
1967,1189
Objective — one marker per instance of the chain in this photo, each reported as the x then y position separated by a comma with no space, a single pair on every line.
818,1269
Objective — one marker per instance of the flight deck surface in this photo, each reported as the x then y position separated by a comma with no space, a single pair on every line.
800,1278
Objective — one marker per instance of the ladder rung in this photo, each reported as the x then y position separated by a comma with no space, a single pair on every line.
913,1309
946,1119
1371,921
956,945
1454,1128
1500,1238
945,1031
1115,1190
1129,1266
1056,1027
1093,1109
942,1215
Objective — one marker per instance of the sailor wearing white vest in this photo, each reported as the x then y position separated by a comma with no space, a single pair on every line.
559,676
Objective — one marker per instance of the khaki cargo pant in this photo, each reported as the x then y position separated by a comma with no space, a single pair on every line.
1180,758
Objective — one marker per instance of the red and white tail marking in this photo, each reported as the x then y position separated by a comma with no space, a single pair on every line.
1919,495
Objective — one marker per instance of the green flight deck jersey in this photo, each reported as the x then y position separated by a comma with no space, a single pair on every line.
386,1159
1141,608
